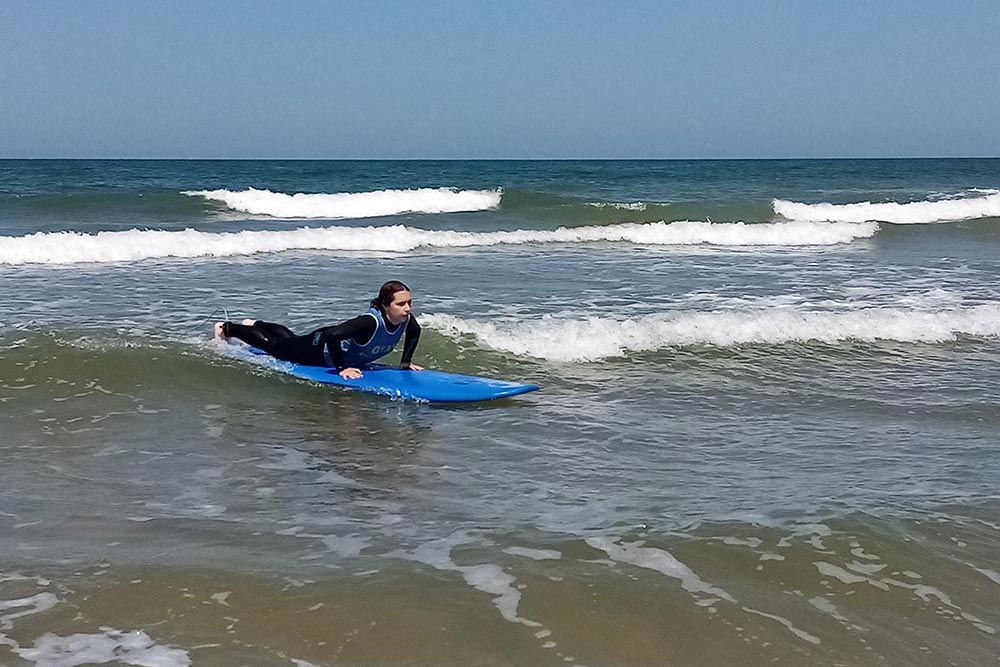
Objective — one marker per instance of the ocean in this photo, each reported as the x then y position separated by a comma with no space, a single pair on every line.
767,431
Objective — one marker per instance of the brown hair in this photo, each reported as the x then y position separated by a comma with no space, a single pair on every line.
387,292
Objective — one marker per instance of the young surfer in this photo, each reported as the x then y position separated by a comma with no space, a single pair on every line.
346,347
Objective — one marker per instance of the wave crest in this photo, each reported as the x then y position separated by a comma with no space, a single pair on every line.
135,244
353,204
598,338
920,212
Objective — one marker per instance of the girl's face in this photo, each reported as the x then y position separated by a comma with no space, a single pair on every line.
398,310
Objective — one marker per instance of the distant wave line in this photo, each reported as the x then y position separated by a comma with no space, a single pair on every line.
135,244
353,204
622,206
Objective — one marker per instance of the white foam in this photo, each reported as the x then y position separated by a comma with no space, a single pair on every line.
353,204
221,598
593,338
859,552
11,609
28,606
992,575
985,204
801,634
487,577
346,545
657,559
131,648
845,577
623,206
534,554
662,561
819,529
826,607
136,244
752,542
866,568
925,593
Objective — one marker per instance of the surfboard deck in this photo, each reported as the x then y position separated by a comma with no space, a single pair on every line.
426,385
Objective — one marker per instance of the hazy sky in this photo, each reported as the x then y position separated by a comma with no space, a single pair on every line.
514,79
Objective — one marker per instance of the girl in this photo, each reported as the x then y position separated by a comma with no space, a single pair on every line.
346,347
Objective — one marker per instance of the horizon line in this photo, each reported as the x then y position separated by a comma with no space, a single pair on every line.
506,159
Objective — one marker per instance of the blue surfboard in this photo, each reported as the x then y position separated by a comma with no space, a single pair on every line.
426,385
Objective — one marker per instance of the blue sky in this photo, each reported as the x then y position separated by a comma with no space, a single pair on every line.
685,79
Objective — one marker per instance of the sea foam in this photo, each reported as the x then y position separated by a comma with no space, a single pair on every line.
485,577
985,204
130,648
353,204
135,244
594,338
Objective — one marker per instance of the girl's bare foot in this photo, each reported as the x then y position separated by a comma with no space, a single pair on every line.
218,332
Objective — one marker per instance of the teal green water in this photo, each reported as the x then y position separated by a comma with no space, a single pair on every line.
757,443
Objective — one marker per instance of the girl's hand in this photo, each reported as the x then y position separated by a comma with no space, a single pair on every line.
350,373
413,367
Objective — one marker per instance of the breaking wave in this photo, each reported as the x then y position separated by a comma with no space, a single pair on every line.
985,204
135,244
353,204
595,338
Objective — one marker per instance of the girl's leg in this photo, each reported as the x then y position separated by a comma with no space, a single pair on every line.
271,329
219,330
262,335
276,339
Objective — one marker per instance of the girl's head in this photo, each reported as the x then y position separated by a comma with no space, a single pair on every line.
394,301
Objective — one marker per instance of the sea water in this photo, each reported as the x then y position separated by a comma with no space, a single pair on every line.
767,430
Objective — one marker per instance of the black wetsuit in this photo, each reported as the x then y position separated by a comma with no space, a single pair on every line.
318,347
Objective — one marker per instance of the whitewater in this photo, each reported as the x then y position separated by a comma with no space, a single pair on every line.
353,204
982,204
576,339
136,244
970,205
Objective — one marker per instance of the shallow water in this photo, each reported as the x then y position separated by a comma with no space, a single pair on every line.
743,452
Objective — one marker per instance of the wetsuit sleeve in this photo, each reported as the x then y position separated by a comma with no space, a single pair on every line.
361,329
410,344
